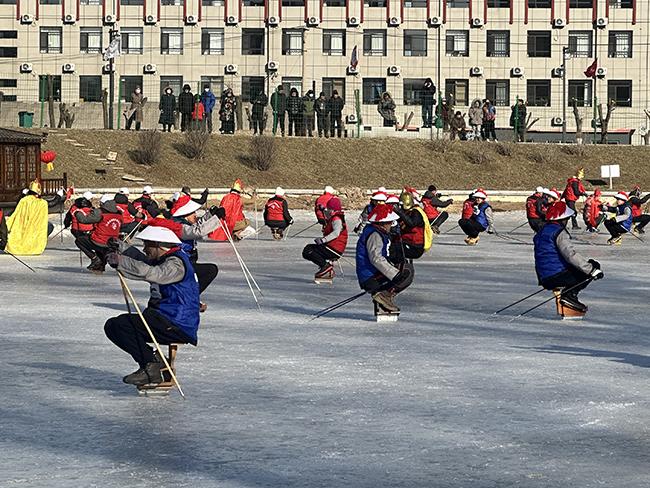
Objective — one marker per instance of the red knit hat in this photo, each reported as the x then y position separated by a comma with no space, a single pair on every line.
181,201
558,211
383,213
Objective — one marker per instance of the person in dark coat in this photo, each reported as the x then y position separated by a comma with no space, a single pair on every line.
518,120
279,106
209,101
167,108
294,109
428,100
4,233
135,111
257,116
335,110
308,113
185,107
227,112
386,108
321,108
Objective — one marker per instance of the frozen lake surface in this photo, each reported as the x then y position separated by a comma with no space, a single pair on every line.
449,396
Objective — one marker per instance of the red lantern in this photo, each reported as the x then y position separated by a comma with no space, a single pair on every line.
48,156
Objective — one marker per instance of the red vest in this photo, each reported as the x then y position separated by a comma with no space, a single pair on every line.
636,210
321,204
414,236
106,228
127,218
591,210
138,205
468,209
430,211
274,210
76,225
341,241
531,207
569,194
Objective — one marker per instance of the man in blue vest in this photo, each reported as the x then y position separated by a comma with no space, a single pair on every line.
557,263
381,268
173,310
479,220
621,223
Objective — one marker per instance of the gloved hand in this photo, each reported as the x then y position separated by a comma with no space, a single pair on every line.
319,240
594,263
113,259
218,211
113,244
597,274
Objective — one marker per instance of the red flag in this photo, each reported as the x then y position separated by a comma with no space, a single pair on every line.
354,59
591,70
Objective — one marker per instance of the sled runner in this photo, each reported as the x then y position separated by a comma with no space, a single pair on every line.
162,389
383,315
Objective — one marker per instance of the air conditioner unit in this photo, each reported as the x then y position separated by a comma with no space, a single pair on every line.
393,21
353,70
313,21
559,23
557,72
26,19
557,121
69,19
107,68
150,20
109,19
231,69
476,22
353,21
517,71
26,68
601,22
150,68
272,21
68,68
601,72
435,21
232,20
272,66
351,119
191,20
393,70
476,71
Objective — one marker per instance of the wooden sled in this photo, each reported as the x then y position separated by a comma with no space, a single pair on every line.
567,313
162,389
383,315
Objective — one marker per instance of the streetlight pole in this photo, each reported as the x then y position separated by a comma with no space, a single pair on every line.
564,56
111,81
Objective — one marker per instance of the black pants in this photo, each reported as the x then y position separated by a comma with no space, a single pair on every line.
207,121
641,221
90,248
381,283
488,130
323,126
535,224
167,127
280,122
276,224
130,122
186,120
258,125
413,252
599,221
336,121
78,233
614,228
319,254
205,273
574,218
128,333
295,124
567,279
427,115
308,123
439,220
471,227
388,123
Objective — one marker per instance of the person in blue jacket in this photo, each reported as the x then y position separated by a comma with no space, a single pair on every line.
557,263
476,217
173,309
621,223
208,100
382,270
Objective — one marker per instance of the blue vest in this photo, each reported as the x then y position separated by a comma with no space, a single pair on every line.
179,302
620,210
365,269
480,217
186,245
548,260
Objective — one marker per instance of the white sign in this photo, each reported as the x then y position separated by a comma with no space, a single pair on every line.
610,171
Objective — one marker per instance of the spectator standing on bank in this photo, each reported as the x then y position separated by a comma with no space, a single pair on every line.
257,113
294,109
186,107
475,115
386,108
137,104
335,110
167,108
209,101
428,100
198,114
489,121
518,120
279,106
308,113
320,107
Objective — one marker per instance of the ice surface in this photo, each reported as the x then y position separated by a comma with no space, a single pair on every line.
447,397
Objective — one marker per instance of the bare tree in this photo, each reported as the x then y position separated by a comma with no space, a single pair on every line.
66,116
604,121
646,135
105,107
578,119
50,99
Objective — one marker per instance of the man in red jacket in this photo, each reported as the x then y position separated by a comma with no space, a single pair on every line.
82,204
331,246
276,214
573,191
107,220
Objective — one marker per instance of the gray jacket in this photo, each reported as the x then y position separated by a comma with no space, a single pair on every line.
568,252
374,245
201,229
135,265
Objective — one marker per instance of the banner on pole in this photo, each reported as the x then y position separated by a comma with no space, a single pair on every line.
114,49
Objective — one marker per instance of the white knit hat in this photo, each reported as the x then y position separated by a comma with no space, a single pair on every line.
105,198
158,234
479,194
124,190
279,191
88,195
539,189
329,189
147,190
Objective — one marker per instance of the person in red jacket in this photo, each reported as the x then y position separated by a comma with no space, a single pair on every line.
592,213
107,221
573,191
639,219
331,246
129,212
237,224
276,214
432,204
533,214
321,204
84,205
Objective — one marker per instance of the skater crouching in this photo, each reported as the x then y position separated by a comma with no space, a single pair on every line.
639,219
331,246
276,214
173,310
476,217
381,268
107,220
533,209
557,263
432,202
84,205
416,233
621,223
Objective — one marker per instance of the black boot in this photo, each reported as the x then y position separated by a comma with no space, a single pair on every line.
150,374
571,300
96,265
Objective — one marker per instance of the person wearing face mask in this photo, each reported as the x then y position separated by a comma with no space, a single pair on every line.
167,108
137,103
185,107
208,100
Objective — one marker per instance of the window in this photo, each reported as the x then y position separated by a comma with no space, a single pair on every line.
50,2
620,91
171,2
128,84
581,91
498,91
289,82
8,52
620,44
498,44
293,3
334,3
580,44
9,98
251,86
621,3
292,42
8,34
171,41
214,82
8,83
174,82
211,41
375,3
90,88
538,93
457,91
334,42
372,90
457,43
498,3
415,3
331,84
7,2
413,90
51,40
539,44
374,43
213,3
44,88
458,3
415,42
253,3
131,40
581,3
252,42
122,2
90,40
539,3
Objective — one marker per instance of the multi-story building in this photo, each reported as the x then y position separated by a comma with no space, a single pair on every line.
496,49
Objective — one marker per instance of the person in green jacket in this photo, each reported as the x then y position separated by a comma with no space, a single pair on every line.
308,102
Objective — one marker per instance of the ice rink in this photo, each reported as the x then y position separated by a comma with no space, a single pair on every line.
450,396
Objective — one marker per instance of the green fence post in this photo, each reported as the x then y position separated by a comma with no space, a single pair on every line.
357,106
119,103
595,112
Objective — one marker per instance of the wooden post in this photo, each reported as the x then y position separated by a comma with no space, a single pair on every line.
578,119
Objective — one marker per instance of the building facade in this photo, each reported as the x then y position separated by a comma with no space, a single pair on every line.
471,49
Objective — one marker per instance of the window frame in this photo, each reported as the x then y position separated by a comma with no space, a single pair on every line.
498,3
333,81
451,88
412,91
411,35
620,84
247,87
206,35
535,36
84,82
612,51
490,44
329,35
47,30
537,83
573,38
498,102
84,32
289,36
168,32
368,36
454,36
43,87
132,32
128,84
587,86
249,34
365,89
